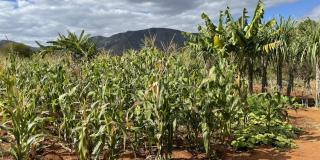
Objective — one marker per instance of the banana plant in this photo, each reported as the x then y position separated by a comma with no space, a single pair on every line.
243,36
78,46
239,40
210,40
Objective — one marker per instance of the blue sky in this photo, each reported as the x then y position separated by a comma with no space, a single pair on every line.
297,10
41,20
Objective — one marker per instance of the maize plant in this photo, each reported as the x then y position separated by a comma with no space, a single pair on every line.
150,102
69,114
219,103
23,120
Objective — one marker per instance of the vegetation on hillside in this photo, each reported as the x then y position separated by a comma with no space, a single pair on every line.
16,48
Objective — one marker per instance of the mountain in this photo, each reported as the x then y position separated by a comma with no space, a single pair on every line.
3,42
21,49
121,42
118,43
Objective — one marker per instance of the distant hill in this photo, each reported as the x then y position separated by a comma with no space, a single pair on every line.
121,42
21,49
3,42
118,43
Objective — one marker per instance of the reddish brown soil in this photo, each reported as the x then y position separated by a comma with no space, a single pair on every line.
298,92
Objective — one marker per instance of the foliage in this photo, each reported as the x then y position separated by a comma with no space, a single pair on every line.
23,120
220,103
265,123
78,46
135,101
239,41
150,100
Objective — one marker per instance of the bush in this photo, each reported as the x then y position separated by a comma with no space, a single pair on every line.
265,123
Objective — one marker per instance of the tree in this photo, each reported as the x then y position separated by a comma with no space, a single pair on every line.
237,40
314,57
266,34
294,52
245,41
78,46
209,41
283,35
305,30
311,39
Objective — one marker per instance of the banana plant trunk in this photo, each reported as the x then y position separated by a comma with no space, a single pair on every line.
250,76
290,82
279,74
317,83
264,79
308,92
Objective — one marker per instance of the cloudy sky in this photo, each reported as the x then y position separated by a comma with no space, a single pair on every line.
30,20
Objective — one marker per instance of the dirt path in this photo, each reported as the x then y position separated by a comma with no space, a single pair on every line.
308,144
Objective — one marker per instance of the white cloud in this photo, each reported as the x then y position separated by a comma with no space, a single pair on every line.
30,20
315,13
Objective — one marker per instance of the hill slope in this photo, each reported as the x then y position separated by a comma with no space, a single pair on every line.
21,49
3,42
120,42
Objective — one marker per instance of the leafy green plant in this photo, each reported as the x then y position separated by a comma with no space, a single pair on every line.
266,123
69,114
78,46
149,101
219,102
22,120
